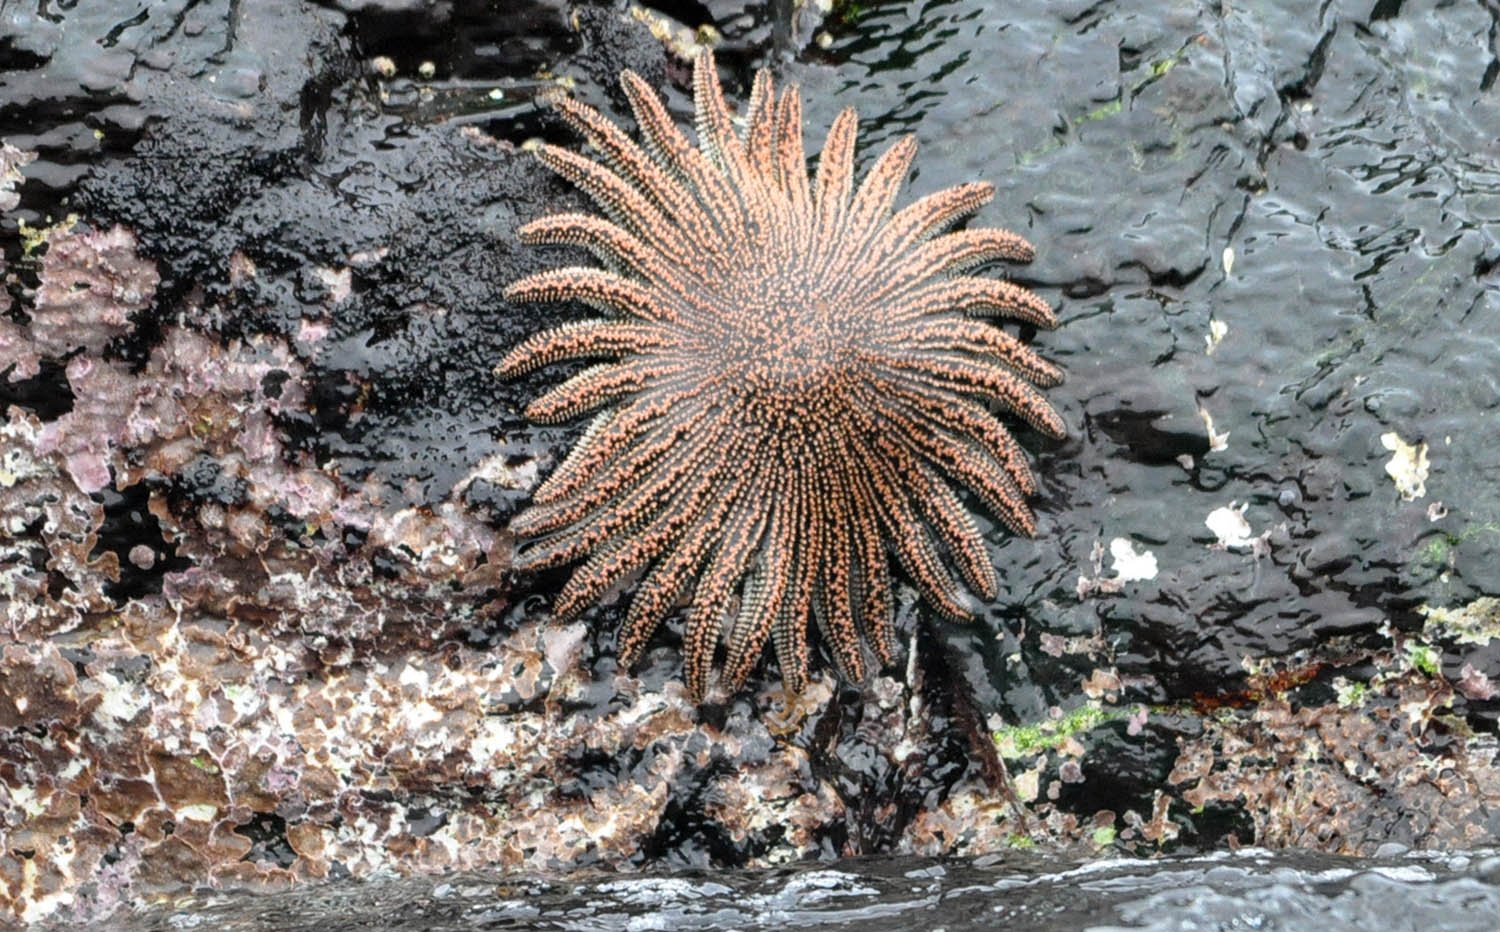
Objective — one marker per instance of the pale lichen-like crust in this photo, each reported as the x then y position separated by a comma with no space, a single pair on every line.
797,382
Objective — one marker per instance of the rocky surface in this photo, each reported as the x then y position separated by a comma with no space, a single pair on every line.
259,628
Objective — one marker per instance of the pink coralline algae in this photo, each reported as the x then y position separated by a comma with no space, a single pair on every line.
91,285
11,160
321,675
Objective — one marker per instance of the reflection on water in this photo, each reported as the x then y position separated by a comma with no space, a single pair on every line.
1251,889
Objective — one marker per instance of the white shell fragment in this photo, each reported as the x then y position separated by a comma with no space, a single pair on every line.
1217,442
1131,566
1230,527
1216,332
1408,466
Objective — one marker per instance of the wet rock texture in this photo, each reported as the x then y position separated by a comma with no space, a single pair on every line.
292,704
256,621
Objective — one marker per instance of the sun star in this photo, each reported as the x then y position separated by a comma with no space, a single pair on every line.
798,382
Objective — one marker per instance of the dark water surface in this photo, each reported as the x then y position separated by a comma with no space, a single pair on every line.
1251,890
1320,180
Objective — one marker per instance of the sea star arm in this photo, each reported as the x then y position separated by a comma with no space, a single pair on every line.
766,589
930,215
681,477
791,161
579,340
605,291
960,334
833,180
911,541
644,428
834,608
962,417
621,202
978,296
615,247
672,151
730,560
630,162
598,386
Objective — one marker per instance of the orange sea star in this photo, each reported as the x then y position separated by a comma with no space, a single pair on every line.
798,383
